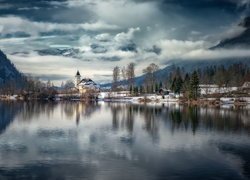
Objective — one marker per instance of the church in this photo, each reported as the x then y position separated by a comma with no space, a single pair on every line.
86,85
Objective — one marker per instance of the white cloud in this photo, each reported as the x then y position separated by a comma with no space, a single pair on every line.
61,66
216,54
99,25
196,50
124,37
172,49
103,37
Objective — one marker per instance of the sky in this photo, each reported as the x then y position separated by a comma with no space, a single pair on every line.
52,39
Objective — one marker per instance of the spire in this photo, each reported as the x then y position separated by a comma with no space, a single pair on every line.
78,73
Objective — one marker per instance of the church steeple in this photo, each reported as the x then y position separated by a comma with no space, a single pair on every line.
78,73
78,77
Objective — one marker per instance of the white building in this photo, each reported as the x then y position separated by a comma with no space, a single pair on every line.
215,89
246,85
85,85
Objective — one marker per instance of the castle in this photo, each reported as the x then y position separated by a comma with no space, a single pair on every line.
85,85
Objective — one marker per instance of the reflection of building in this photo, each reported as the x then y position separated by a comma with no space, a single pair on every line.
85,85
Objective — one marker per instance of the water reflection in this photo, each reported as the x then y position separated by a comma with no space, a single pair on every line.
121,141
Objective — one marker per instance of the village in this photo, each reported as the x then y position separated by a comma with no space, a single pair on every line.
85,89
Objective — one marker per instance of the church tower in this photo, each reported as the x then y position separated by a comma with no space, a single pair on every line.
78,78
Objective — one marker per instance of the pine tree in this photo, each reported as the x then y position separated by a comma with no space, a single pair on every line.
194,86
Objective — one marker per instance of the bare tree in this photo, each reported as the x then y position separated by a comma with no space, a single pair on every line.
131,75
116,78
124,73
150,78
69,85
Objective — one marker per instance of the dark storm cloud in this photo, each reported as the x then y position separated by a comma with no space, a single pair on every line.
155,49
203,4
81,33
45,10
112,59
199,15
96,48
131,46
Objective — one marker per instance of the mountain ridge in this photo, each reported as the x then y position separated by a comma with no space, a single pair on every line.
8,72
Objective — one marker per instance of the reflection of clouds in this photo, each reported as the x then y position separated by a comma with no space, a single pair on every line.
120,138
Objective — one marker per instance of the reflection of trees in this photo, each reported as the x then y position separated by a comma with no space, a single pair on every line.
185,118
25,110
79,109
32,109
122,116
179,117
8,111
209,119
151,115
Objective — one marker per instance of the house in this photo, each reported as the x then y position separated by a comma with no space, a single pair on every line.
206,89
209,89
86,85
246,85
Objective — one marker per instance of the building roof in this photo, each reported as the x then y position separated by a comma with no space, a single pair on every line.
78,73
246,85
89,83
208,86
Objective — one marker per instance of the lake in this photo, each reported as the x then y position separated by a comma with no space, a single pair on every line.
116,141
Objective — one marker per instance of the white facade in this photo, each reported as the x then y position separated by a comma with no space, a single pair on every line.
86,84
215,89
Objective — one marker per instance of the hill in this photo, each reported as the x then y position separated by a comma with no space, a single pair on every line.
8,72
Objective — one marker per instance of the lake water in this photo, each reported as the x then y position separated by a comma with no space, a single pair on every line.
123,141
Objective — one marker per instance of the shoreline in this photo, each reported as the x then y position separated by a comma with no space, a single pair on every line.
205,102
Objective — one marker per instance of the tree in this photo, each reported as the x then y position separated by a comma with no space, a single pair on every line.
186,85
49,84
69,85
150,78
62,84
116,78
131,75
177,84
194,86
124,73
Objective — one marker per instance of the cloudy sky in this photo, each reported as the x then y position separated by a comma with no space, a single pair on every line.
53,38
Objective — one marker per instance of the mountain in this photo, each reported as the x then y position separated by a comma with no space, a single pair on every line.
188,65
240,41
8,72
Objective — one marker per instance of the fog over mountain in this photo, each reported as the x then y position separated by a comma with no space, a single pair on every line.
240,41
52,39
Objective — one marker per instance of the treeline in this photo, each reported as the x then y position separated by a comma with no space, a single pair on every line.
179,80
233,75
29,87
